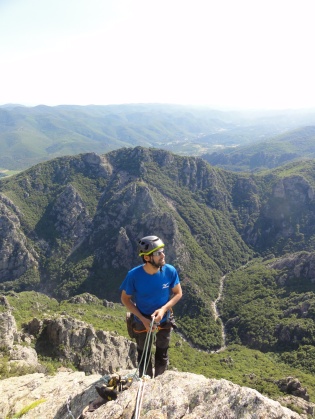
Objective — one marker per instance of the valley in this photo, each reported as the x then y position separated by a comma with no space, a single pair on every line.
242,241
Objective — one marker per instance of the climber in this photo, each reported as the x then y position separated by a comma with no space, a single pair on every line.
149,291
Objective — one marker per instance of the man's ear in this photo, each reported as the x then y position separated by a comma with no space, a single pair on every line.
146,258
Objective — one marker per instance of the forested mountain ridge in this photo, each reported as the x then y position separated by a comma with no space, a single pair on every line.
270,305
70,225
298,144
32,135
29,135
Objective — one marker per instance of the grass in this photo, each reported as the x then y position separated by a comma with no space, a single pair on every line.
27,409
7,172
30,304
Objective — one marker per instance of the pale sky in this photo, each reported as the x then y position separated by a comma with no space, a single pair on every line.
221,53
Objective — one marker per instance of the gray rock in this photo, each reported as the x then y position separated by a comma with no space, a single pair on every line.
172,395
8,329
27,355
85,298
293,386
16,254
72,220
91,351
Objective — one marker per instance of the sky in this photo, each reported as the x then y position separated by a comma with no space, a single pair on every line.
233,54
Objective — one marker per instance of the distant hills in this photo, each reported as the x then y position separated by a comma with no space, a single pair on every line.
29,135
293,145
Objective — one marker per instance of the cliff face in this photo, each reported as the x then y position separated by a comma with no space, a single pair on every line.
89,350
282,218
16,252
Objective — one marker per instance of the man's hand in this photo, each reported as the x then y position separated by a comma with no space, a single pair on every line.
158,315
147,322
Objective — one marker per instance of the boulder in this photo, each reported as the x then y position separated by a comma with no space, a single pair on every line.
8,330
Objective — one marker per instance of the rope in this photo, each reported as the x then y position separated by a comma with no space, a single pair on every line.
139,400
147,348
68,408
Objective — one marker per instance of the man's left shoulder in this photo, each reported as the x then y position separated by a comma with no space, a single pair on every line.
169,268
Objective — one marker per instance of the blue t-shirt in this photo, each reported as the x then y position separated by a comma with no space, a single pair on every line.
150,292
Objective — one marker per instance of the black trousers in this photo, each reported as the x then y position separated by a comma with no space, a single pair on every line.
162,342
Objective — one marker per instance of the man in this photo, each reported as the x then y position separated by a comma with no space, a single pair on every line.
146,292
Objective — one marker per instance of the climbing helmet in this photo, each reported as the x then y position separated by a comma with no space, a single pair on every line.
149,244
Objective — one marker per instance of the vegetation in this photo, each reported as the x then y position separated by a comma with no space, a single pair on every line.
273,311
241,365
72,212
50,132
32,135
76,220
30,304
295,145
27,409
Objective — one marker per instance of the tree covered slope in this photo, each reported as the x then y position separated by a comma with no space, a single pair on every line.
71,225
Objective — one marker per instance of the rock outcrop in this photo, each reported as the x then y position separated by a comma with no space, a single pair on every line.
99,353
16,254
65,338
172,395
71,216
8,329
89,350
291,385
300,266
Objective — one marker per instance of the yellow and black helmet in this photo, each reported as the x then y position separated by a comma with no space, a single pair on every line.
149,244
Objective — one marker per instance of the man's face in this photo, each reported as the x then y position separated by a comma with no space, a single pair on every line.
157,258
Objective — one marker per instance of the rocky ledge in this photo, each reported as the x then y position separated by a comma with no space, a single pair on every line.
171,395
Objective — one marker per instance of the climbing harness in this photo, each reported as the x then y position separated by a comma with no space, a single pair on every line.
133,332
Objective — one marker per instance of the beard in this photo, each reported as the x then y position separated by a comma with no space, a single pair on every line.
159,264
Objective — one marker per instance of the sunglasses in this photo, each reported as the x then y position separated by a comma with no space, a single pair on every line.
158,252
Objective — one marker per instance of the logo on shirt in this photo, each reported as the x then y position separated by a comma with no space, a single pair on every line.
165,285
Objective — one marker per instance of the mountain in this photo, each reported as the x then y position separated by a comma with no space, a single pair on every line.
71,225
298,144
243,244
29,135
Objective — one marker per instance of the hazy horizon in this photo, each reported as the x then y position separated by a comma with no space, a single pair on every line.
243,55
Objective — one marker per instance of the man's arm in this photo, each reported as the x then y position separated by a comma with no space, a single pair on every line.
177,295
130,305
